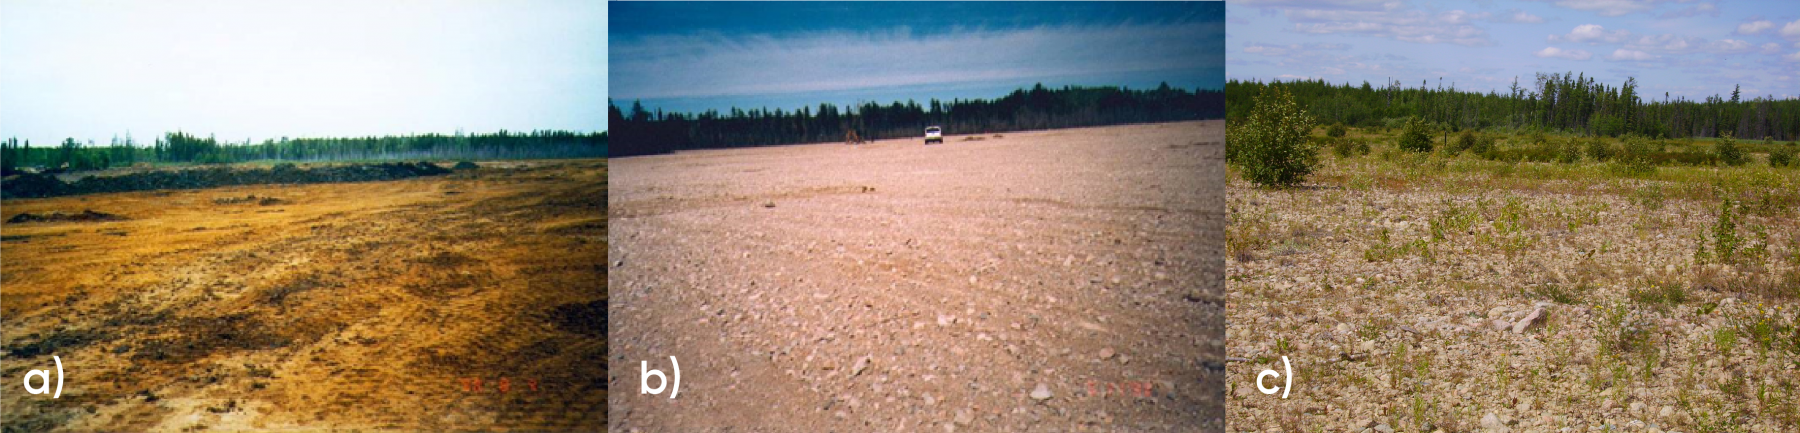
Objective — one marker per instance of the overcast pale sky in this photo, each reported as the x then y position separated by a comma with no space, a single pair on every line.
267,69
1692,48
696,56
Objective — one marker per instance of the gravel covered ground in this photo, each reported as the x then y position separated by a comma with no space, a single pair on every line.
1065,280
1426,293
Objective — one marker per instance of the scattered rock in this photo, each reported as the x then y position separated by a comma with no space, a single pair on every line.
1041,392
1535,318
963,417
857,368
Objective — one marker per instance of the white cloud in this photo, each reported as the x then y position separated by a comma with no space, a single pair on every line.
1666,42
1359,5
1451,27
1630,55
1520,16
1291,50
1555,52
1791,31
1728,46
711,64
1754,27
1461,17
1695,10
1795,57
1592,34
1611,8
1771,48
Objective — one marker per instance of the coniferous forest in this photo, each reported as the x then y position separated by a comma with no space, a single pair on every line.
181,147
643,132
1566,102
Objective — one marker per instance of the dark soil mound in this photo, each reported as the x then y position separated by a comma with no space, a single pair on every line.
465,165
36,185
262,201
581,318
84,216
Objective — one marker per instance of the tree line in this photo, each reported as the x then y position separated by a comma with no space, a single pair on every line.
644,132
1569,102
182,147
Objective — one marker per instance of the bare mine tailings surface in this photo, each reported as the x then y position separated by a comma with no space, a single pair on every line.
1064,280
470,300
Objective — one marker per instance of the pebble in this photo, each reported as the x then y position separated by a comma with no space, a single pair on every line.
1106,353
857,369
1041,392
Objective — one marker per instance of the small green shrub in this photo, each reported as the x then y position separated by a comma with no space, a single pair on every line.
1271,145
1467,140
1336,130
1634,156
1781,157
1725,240
1728,151
1599,150
1343,148
1568,153
1416,137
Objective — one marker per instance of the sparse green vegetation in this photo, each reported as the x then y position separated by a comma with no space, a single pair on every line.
1592,228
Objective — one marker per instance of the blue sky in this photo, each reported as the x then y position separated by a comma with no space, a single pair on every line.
1692,48
267,69
695,56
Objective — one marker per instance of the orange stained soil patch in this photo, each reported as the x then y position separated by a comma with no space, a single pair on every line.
470,301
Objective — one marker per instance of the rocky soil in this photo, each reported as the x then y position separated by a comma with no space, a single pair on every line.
1064,280
1527,306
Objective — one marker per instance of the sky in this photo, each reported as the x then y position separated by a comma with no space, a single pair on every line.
1686,48
268,69
690,57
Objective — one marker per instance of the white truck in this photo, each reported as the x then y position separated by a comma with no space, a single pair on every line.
934,134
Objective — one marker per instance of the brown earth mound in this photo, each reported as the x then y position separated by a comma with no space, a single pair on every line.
85,216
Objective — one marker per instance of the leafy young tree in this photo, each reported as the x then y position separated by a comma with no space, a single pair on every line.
1416,136
1271,146
1728,151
